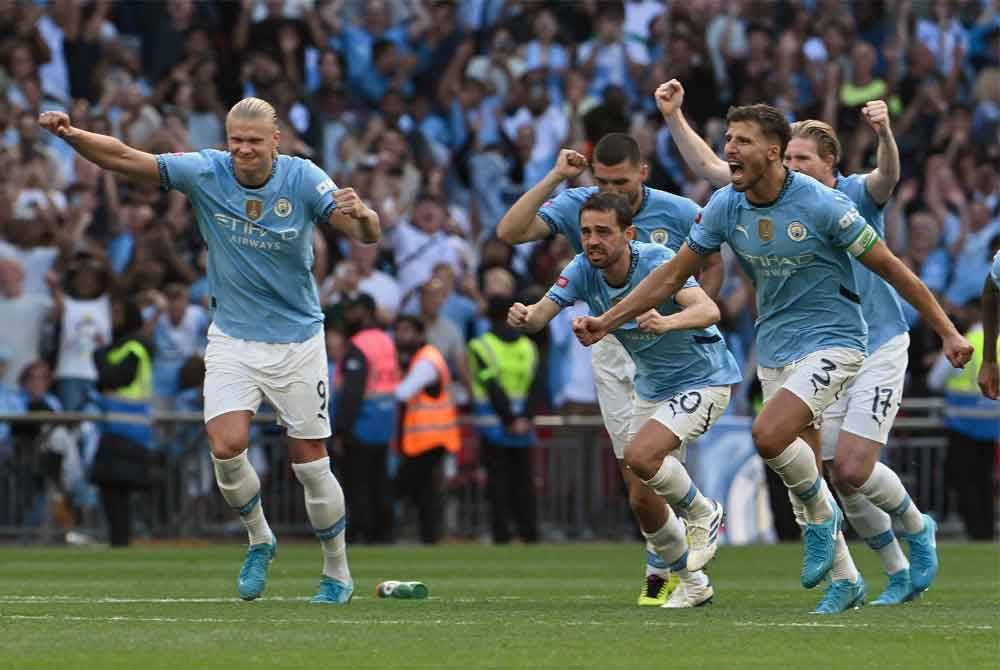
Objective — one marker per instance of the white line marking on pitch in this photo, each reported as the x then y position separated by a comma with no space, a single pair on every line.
436,622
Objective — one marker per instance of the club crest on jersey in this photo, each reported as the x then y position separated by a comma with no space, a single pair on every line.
283,207
253,209
765,230
796,231
659,236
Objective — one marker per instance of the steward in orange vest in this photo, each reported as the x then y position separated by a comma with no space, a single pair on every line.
365,421
429,425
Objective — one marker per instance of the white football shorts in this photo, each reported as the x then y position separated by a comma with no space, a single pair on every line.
614,372
239,374
688,414
819,379
869,407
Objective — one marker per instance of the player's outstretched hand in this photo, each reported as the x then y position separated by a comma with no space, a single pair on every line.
876,113
669,97
517,315
56,123
588,329
989,380
652,322
570,164
957,350
349,204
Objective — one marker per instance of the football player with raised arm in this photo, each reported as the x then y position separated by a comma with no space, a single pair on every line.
658,217
857,425
256,211
794,237
682,381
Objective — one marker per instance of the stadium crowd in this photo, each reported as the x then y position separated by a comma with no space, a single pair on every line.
440,115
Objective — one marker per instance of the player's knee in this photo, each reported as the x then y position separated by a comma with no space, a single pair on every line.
767,438
850,470
225,442
638,457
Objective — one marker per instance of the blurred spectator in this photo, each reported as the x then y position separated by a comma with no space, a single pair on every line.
85,327
124,459
365,421
26,316
180,332
506,384
429,426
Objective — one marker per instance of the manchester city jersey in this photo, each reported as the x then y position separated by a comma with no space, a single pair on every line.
260,241
796,252
663,218
667,364
879,301
995,270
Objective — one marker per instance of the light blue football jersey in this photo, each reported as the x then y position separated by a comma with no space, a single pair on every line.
797,252
995,270
663,218
667,364
880,303
260,242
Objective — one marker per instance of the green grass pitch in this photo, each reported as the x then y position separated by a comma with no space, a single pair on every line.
549,606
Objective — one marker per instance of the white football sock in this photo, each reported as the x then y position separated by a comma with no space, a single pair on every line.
673,482
325,508
654,564
670,543
885,490
843,564
798,509
240,487
875,526
796,466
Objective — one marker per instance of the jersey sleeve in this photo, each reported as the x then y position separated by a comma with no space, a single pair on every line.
995,270
867,196
658,255
569,286
316,188
180,171
562,213
708,232
841,222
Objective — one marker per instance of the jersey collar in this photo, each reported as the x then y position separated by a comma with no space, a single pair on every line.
784,187
232,171
645,200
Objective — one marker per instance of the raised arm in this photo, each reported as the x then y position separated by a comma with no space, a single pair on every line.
664,282
107,152
521,223
532,318
699,311
354,218
696,152
882,261
989,374
883,179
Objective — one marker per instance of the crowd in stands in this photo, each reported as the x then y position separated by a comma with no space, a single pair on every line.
440,114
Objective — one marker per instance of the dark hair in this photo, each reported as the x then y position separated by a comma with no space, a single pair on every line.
615,148
770,119
610,202
413,321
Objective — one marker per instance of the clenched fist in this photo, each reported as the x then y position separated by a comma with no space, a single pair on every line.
876,113
570,164
56,123
669,97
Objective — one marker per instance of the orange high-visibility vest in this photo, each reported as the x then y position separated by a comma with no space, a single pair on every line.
431,422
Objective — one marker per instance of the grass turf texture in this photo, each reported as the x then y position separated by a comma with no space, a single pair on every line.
554,606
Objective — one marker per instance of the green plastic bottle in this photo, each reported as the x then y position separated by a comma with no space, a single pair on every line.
403,590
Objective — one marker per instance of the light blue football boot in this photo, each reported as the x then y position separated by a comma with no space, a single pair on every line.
899,590
923,555
841,596
253,576
334,592
820,540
